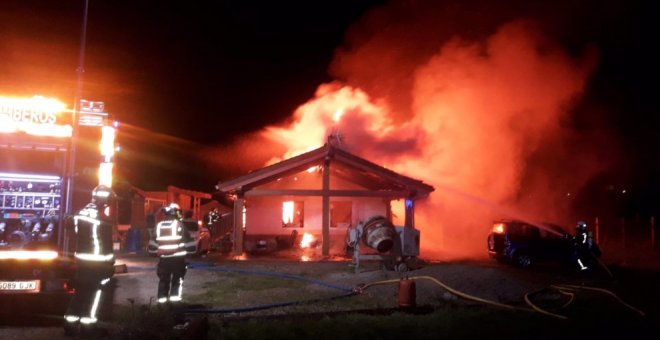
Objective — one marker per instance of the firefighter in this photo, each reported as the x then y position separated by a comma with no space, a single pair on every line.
585,250
171,237
212,218
94,258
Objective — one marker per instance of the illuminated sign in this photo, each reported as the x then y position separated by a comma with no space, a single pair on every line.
36,116
92,113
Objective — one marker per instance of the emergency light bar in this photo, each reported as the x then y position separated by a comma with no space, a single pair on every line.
5,176
28,255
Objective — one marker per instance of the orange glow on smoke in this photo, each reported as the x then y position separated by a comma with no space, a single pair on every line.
314,120
478,109
307,240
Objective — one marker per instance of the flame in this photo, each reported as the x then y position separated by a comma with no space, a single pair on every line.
287,211
305,258
465,105
241,257
498,228
337,116
314,120
306,241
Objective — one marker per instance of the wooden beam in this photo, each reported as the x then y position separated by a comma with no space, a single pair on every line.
192,193
237,246
332,193
326,207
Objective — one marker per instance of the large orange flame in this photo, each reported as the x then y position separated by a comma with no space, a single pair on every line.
475,117
478,111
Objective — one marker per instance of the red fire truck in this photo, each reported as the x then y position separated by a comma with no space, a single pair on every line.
42,184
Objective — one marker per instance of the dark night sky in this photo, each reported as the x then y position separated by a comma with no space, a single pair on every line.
206,72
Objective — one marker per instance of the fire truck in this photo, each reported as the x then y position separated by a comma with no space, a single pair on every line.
48,168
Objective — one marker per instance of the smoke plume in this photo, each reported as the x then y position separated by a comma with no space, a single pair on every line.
476,105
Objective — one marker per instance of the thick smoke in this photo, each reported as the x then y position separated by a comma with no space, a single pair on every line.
478,112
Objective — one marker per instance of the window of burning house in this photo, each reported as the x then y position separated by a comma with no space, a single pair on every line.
293,214
341,214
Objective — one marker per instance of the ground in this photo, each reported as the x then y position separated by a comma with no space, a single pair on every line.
238,292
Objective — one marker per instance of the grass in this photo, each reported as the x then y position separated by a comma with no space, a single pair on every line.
371,314
449,322
235,290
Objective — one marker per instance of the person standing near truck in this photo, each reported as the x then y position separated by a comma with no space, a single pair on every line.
94,259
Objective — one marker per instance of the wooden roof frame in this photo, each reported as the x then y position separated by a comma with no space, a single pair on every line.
246,184
404,187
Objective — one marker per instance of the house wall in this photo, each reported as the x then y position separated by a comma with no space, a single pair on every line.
264,214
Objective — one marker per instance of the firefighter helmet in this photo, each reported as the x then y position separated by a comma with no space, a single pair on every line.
172,210
581,226
102,195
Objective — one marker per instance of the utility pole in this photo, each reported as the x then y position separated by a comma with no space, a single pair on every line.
71,170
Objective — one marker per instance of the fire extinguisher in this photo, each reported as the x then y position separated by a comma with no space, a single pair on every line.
407,293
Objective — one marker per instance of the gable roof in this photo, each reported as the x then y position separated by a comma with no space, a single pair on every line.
343,164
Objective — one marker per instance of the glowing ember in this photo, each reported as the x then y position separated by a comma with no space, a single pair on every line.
305,258
242,257
307,240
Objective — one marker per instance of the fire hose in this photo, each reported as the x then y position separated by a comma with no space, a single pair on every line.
564,289
347,291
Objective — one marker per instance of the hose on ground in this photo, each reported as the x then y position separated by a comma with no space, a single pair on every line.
348,291
275,274
600,290
266,306
564,289
451,290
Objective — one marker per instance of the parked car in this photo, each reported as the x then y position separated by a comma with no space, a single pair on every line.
199,245
524,244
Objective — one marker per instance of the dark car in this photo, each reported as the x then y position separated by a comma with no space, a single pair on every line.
525,244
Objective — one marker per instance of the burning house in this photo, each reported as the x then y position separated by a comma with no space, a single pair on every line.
314,199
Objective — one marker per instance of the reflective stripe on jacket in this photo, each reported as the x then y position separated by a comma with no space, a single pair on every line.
169,236
94,236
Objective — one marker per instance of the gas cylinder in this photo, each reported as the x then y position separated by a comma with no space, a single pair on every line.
407,293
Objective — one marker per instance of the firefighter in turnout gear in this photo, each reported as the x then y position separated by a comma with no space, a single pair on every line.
94,258
171,236
586,251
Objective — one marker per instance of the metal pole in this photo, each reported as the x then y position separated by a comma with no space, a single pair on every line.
69,172
74,116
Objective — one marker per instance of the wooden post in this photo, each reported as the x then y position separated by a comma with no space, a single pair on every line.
326,208
239,204
410,213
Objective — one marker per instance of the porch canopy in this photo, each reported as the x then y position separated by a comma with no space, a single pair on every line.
373,180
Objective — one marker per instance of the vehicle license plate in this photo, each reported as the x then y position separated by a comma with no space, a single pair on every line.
19,286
